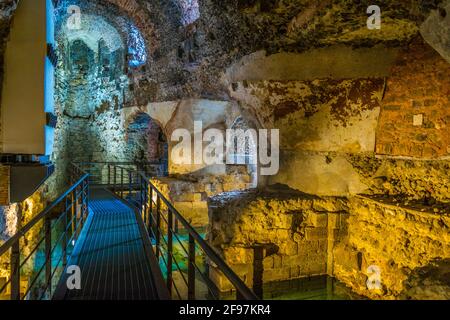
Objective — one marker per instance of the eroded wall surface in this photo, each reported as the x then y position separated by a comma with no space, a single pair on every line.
302,235
402,242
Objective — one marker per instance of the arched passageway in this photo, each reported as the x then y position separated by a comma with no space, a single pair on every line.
146,143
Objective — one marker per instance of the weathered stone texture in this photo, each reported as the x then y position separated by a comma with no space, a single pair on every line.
399,241
419,85
293,230
303,235
189,193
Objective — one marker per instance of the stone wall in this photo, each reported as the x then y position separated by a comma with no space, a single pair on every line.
402,242
299,235
189,193
294,231
415,113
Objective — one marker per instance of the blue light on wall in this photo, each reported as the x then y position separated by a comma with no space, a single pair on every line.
50,22
49,86
49,140
136,48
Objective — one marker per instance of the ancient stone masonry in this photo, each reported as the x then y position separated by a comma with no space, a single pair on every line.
295,231
363,117
302,235
415,116
190,193
401,242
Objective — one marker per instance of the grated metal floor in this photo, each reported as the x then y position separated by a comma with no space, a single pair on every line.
112,260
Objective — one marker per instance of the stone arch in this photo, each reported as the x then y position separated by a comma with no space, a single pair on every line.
146,141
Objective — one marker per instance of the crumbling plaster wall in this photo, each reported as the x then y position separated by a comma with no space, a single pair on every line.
331,125
182,114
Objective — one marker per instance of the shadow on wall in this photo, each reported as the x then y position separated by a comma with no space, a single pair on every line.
431,282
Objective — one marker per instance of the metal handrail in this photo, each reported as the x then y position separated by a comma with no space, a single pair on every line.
146,187
10,242
75,199
210,252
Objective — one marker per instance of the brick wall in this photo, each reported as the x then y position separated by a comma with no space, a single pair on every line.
415,116
4,185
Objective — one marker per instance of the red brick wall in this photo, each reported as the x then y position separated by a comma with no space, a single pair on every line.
419,85
4,185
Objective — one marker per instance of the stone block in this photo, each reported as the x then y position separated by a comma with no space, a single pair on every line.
316,233
197,197
334,221
277,274
200,205
277,261
319,220
183,207
268,262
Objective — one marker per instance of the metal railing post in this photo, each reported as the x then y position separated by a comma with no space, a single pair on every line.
169,250
121,182
145,193
15,271
150,215
65,238
130,182
74,215
48,254
115,178
191,269
158,226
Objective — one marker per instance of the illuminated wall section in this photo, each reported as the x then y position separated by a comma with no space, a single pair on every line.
28,80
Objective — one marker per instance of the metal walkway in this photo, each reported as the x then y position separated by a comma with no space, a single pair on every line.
125,238
112,258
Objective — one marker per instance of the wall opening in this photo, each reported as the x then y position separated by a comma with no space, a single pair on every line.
147,142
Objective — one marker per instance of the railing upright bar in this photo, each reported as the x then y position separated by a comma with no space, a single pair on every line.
191,269
66,238
130,184
115,178
15,271
73,212
169,250
121,182
158,226
150,214
48,254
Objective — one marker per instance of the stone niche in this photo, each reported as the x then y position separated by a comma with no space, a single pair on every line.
281,234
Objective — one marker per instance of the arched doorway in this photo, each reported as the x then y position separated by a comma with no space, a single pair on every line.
147,144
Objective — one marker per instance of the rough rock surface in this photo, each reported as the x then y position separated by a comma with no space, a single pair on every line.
303,235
